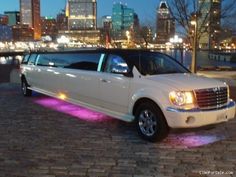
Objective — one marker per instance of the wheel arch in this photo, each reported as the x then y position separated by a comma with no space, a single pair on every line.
163,129
144,100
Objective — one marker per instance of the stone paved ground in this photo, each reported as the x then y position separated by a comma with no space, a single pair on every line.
36,141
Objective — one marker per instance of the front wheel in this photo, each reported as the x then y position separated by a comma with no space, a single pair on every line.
24,87
150,122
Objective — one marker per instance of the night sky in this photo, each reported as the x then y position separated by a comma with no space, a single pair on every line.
144,8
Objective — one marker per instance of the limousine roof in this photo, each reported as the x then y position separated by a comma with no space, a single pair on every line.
102,50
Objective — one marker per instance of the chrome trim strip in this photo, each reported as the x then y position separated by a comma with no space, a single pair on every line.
229,105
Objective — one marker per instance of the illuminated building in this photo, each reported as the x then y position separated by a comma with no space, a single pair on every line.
30,15
82,14
49,27
5,33
82,21
106,28
123,19
62,21
5,30
22,33
3,19
84,36
107,22
211,13
13,17
165,24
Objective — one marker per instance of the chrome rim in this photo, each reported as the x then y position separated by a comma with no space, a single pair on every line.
147,123
24,87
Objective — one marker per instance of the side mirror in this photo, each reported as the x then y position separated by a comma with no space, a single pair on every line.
119,69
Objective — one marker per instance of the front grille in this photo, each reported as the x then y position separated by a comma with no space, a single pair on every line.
213,98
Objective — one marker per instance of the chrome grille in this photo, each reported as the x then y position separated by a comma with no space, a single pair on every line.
213,98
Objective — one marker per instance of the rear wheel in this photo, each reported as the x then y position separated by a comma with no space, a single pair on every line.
150,122
24,87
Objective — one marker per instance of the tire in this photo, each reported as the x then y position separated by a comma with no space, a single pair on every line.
150,122
24,87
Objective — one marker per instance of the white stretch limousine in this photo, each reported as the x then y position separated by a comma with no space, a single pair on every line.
149,88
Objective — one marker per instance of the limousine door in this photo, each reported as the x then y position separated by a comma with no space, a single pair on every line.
47,77
81,79
31,71
82,86
114,88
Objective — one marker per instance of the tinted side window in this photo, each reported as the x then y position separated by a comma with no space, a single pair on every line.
155,63
53,60
25,59
43,60
83,61
32,59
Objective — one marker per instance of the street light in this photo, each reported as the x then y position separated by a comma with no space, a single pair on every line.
194,55
128,36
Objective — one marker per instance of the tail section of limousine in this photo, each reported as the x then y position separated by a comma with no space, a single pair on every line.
148,88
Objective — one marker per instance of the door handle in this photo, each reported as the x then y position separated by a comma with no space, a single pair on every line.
105,81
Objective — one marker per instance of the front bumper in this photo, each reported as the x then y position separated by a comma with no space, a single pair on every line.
180,118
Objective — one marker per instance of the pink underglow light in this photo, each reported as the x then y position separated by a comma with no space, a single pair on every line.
71,109
193,140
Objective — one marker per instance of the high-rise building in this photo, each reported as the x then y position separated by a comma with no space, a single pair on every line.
82,14
123,19
30,15
106,27
5,33
82,21
5,29
13,17
49,27
107,22
165,23
22,33
210,19
3,19
62,21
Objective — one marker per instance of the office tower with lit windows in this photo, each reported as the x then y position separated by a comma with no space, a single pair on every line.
210,18
165,24
30,15
49,27
82,21
123,19
82,14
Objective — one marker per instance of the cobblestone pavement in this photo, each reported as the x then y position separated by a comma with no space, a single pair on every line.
37,140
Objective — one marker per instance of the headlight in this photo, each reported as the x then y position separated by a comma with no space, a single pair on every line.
180,98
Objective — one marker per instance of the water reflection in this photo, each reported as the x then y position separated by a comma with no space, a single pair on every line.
202,59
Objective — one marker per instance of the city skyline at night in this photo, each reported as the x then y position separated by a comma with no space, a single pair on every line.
50,8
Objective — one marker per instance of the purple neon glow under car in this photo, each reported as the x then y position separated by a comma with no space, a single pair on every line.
70,109
183,140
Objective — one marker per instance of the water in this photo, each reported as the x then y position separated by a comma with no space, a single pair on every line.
202,59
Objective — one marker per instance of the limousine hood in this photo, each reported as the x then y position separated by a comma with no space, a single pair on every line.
186,81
